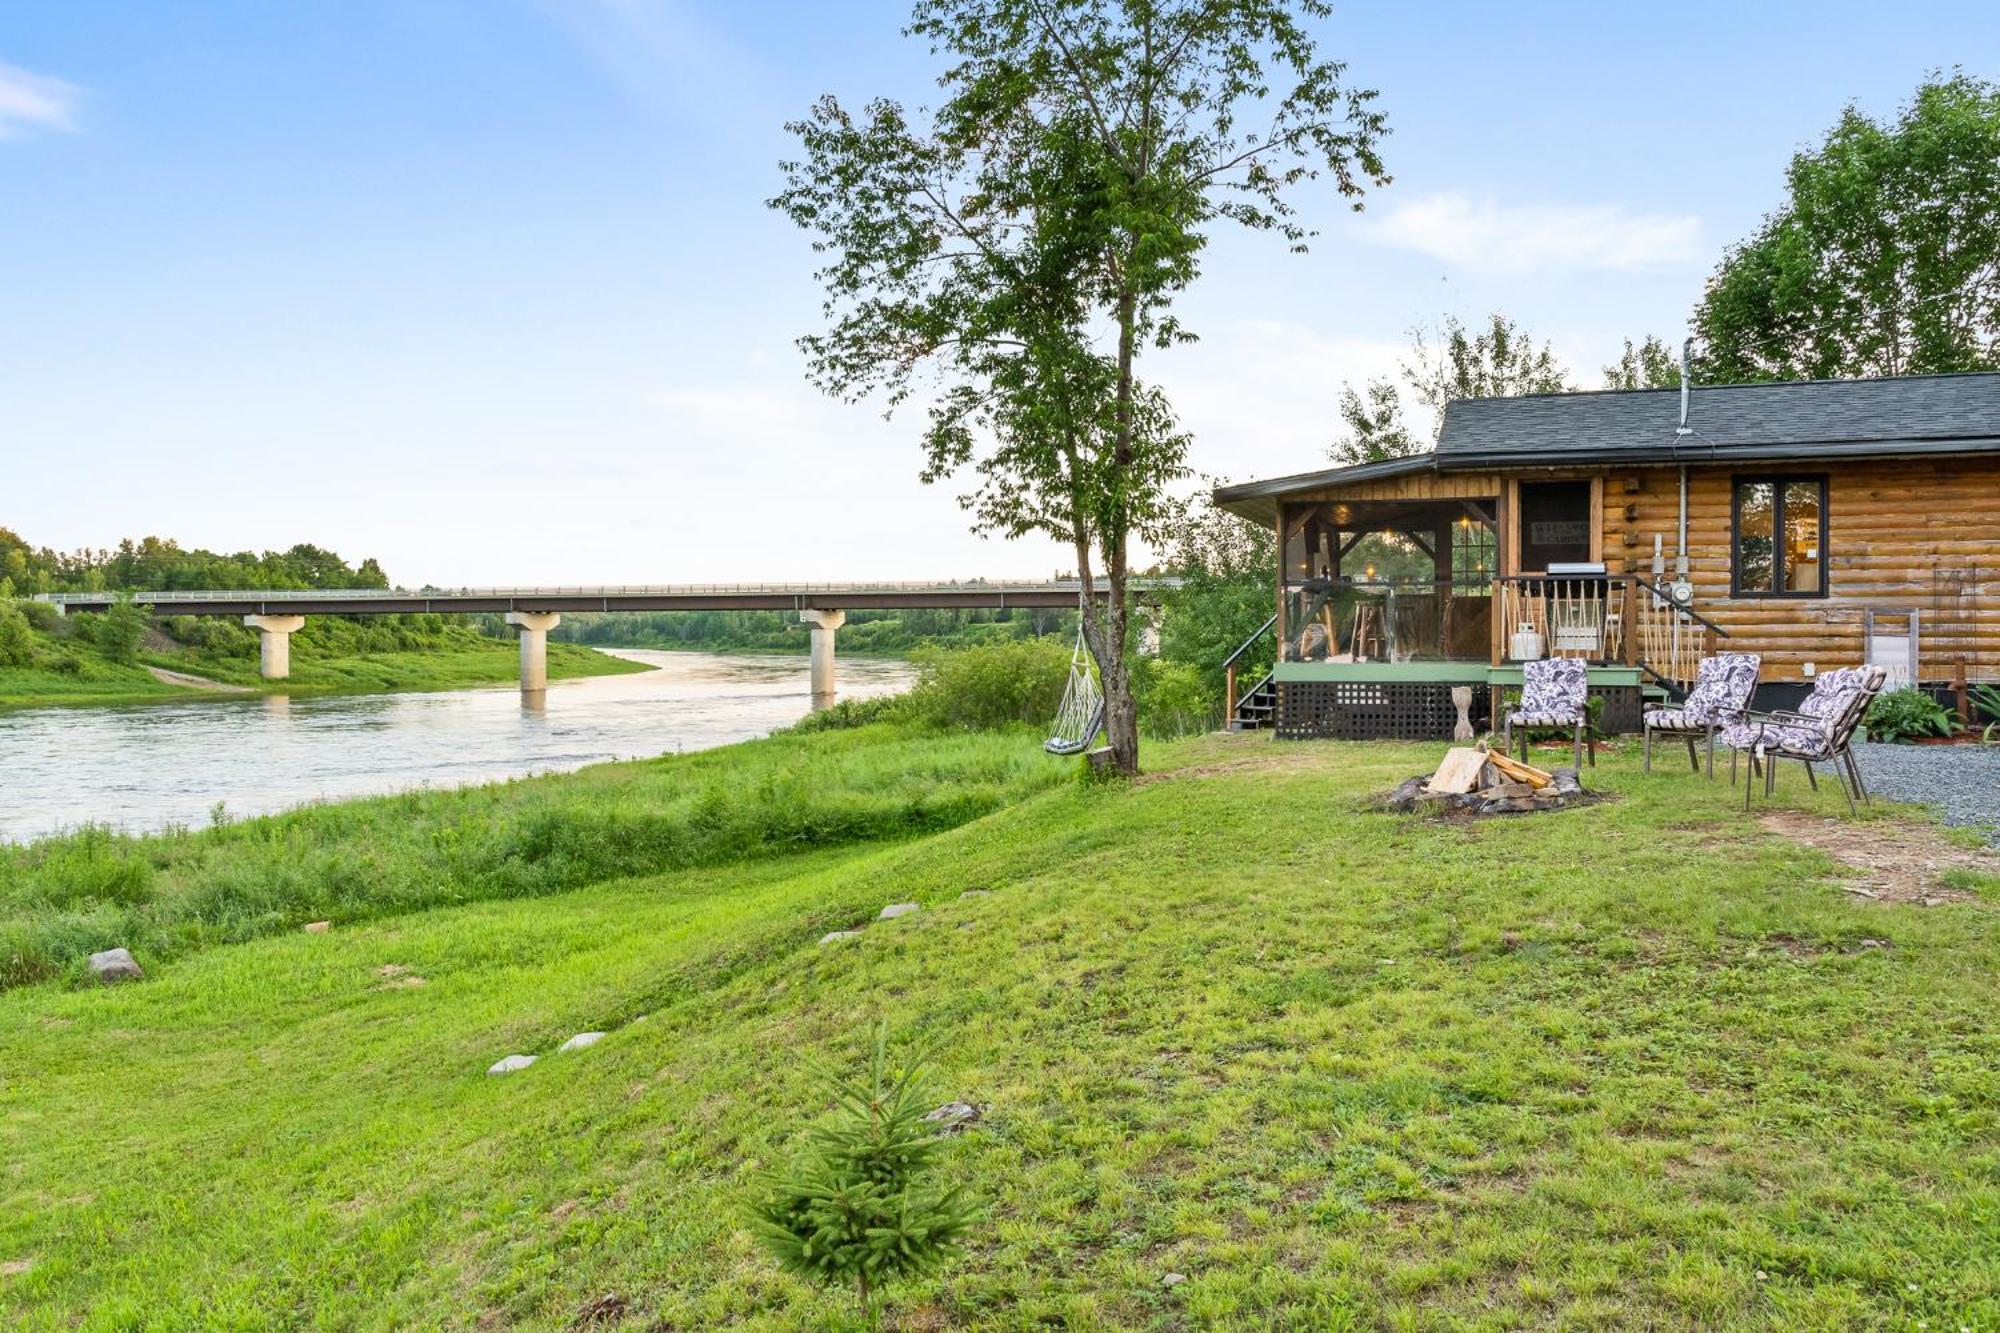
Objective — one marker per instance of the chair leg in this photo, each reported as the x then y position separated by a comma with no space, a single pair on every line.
1812,778
1576,749
1732,765
1507,738
1711,754
1694,760
1646,765
1846,789
1854,772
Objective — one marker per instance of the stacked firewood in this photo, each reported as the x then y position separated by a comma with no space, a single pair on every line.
1490,782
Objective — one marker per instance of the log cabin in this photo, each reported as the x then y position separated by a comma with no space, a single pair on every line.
1817,523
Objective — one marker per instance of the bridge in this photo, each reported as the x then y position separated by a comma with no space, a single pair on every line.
276,613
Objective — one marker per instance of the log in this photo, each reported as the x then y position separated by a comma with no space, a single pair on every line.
1518,771
1459,772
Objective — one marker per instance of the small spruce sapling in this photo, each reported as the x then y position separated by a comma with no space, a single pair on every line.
853,1207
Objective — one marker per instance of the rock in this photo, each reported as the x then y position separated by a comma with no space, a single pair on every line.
318,927
977,893
954,1117
1874,944
1567,782
581,1041
114,965
894,910
1173,1279
832,935
510,1064
1408,793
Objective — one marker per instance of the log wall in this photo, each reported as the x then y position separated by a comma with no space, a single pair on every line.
1901,533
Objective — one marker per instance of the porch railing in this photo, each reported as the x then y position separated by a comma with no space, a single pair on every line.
1607,618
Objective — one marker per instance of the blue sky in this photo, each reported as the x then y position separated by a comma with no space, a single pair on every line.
486,288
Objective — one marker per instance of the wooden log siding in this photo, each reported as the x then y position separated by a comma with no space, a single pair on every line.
1892,526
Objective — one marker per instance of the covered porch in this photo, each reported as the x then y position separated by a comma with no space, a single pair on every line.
1472,576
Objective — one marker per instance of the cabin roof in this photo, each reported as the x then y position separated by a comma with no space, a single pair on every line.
1776,422
1787,419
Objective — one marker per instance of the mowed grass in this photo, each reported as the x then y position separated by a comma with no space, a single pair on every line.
94,681
1629,1066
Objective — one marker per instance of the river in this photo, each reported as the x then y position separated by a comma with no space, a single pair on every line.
144,768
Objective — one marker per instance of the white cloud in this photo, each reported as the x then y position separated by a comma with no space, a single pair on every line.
1515,238
35,102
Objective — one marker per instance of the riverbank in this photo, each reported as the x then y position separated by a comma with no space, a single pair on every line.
1351,1070
83,679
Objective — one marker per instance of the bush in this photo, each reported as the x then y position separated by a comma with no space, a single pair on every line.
854,713
1906,714
118,631
17,639
42,616
1174,698
992,685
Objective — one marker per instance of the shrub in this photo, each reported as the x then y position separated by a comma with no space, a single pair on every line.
1906,714
17,638
854,713
1986,698
853,1207
42,616
1174,698
118,631
991,685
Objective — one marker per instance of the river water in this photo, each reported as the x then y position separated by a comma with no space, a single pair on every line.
143,768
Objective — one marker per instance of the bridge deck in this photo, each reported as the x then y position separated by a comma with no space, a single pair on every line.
668,597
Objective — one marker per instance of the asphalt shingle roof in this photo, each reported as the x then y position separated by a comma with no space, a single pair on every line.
1817,418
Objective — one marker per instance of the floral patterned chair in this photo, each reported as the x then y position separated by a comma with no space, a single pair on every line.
1820,732
1723,685
1555,692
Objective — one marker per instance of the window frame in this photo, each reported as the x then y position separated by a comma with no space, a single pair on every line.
1777,481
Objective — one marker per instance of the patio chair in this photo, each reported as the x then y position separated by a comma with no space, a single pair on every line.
1820,732
1555,692
1723,685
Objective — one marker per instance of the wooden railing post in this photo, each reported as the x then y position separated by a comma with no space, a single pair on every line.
1631,620
1229,694
1499,617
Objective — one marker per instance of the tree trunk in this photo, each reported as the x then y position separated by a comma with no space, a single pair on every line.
1121,710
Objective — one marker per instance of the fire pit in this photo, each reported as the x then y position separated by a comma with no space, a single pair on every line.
1473,780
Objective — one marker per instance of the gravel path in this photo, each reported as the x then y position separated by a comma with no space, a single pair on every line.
1961,781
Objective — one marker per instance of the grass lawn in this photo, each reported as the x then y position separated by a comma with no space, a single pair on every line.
1637,1065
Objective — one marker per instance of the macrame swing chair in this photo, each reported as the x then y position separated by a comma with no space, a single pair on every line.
1081,715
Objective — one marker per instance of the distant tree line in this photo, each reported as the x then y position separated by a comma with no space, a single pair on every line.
161,563
887,632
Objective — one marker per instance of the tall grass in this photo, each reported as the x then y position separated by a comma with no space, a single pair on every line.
63,898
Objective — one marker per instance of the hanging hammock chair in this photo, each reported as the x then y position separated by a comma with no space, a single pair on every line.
1081,715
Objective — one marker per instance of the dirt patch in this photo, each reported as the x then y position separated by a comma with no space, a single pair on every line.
397,977
15,1267
1888,863
191,682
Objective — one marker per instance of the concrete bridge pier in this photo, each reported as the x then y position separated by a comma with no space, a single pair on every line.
825,624
274,643
534,627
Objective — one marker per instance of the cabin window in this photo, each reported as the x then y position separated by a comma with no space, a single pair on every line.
1780,537
1555,524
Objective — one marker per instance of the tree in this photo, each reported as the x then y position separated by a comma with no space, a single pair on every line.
1885,257
1026,246
1650,365
853,1208
1500,361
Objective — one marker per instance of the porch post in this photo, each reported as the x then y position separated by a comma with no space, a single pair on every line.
1631,620
1278,517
